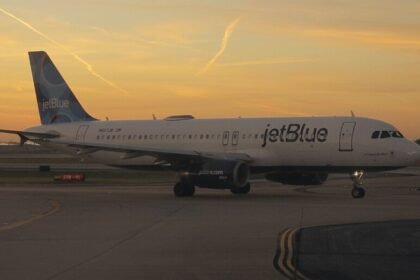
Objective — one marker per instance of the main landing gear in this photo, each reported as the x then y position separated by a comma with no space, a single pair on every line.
183,189
357,191
244,190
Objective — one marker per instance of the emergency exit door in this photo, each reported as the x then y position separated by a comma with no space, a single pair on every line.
81,133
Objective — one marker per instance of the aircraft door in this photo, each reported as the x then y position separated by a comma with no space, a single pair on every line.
225,140
81,133
235,138
346,136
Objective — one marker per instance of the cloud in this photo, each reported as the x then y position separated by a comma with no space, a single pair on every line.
402,40
369,37
63,48
228,33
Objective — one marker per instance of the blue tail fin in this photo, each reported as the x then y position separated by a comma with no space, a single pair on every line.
56,101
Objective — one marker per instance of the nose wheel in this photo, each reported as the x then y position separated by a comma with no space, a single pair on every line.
358,191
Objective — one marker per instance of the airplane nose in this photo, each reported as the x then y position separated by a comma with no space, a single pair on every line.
412,152
416,156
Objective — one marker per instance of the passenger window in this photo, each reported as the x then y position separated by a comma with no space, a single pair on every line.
385,134
375,135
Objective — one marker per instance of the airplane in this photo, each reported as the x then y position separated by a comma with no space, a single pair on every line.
216,153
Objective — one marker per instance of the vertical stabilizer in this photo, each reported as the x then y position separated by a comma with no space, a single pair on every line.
56,101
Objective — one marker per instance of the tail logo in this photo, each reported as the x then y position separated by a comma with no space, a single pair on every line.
55,103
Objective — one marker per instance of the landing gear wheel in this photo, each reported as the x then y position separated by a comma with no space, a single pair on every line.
358,192
244,190
183,189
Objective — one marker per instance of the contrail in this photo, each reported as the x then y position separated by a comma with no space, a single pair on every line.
62,47
228,32
267,62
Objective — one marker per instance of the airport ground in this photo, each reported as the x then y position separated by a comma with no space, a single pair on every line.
129,225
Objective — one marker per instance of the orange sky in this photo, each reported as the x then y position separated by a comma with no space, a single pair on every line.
132,59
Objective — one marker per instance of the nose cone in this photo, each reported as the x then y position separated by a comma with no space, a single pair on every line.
417,157
410,153
414,155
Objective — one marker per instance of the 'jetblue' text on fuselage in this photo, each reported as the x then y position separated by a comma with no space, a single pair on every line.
294,132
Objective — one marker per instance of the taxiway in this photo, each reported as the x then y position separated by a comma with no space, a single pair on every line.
141,231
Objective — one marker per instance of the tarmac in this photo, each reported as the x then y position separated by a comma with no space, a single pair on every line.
130,230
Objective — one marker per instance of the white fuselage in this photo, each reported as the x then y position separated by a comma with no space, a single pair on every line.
333,143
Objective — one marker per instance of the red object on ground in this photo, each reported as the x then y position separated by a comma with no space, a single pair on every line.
73,177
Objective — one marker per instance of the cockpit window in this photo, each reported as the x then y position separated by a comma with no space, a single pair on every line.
375,135
397,134
385,134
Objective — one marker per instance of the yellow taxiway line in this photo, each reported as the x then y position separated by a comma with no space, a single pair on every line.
55,206
284,257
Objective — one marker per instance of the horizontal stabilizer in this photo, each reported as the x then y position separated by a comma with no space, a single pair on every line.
27,135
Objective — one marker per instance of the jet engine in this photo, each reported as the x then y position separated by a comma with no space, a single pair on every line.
298,179
219,174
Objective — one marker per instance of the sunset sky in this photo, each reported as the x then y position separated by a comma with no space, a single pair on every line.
131,59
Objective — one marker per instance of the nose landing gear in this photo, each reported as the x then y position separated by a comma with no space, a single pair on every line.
357,191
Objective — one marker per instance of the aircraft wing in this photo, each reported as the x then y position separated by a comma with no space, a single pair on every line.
162,155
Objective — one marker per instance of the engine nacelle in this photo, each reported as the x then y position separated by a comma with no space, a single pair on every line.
219,174
298,179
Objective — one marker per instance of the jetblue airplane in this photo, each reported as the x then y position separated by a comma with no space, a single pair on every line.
216,153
